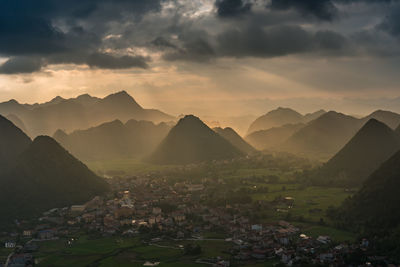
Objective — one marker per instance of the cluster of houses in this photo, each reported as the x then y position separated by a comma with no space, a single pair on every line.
176,212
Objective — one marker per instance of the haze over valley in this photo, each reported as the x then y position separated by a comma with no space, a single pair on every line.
199,133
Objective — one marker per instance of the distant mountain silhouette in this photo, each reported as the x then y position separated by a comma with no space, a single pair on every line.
389,118
314,115
376,205
114,139
282,116
276,118
268,139
235,139
13,141
12,107
79,113
191,141
373,144
324,136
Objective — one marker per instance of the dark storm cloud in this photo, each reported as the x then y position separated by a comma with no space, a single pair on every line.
194,46
198,50
103,33
321,9
162,43
391,23
16,65
77,9
256,42
262,42
105,61
28,35
365,1
330,40
65,31
279,41
230,8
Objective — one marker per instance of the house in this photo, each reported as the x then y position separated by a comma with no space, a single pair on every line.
123,212
283,239
152,220
95,203
179,217
364,243
143,224
259,254
286,257
27,233
256,227
125,222
222,263
147,263
194,187
46,234
10,244
289,201
156,210
77,208
326,257
284,224
88,217
109,221
324,239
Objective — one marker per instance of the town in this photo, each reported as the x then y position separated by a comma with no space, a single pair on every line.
175,215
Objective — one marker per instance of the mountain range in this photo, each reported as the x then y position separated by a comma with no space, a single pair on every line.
39,175
389,118
114,140
192,141
78,113
322,137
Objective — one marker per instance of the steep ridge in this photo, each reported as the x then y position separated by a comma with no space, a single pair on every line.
46,176
235,139
373,144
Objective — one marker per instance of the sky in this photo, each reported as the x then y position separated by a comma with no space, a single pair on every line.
207,57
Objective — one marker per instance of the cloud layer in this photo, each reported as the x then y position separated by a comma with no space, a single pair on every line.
126,34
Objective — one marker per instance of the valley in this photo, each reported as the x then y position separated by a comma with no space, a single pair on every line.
169,213
148,193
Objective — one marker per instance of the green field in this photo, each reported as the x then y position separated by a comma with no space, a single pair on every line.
307,201
136,166
335,234
129,166
123,252
4,252
310,205
82,252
